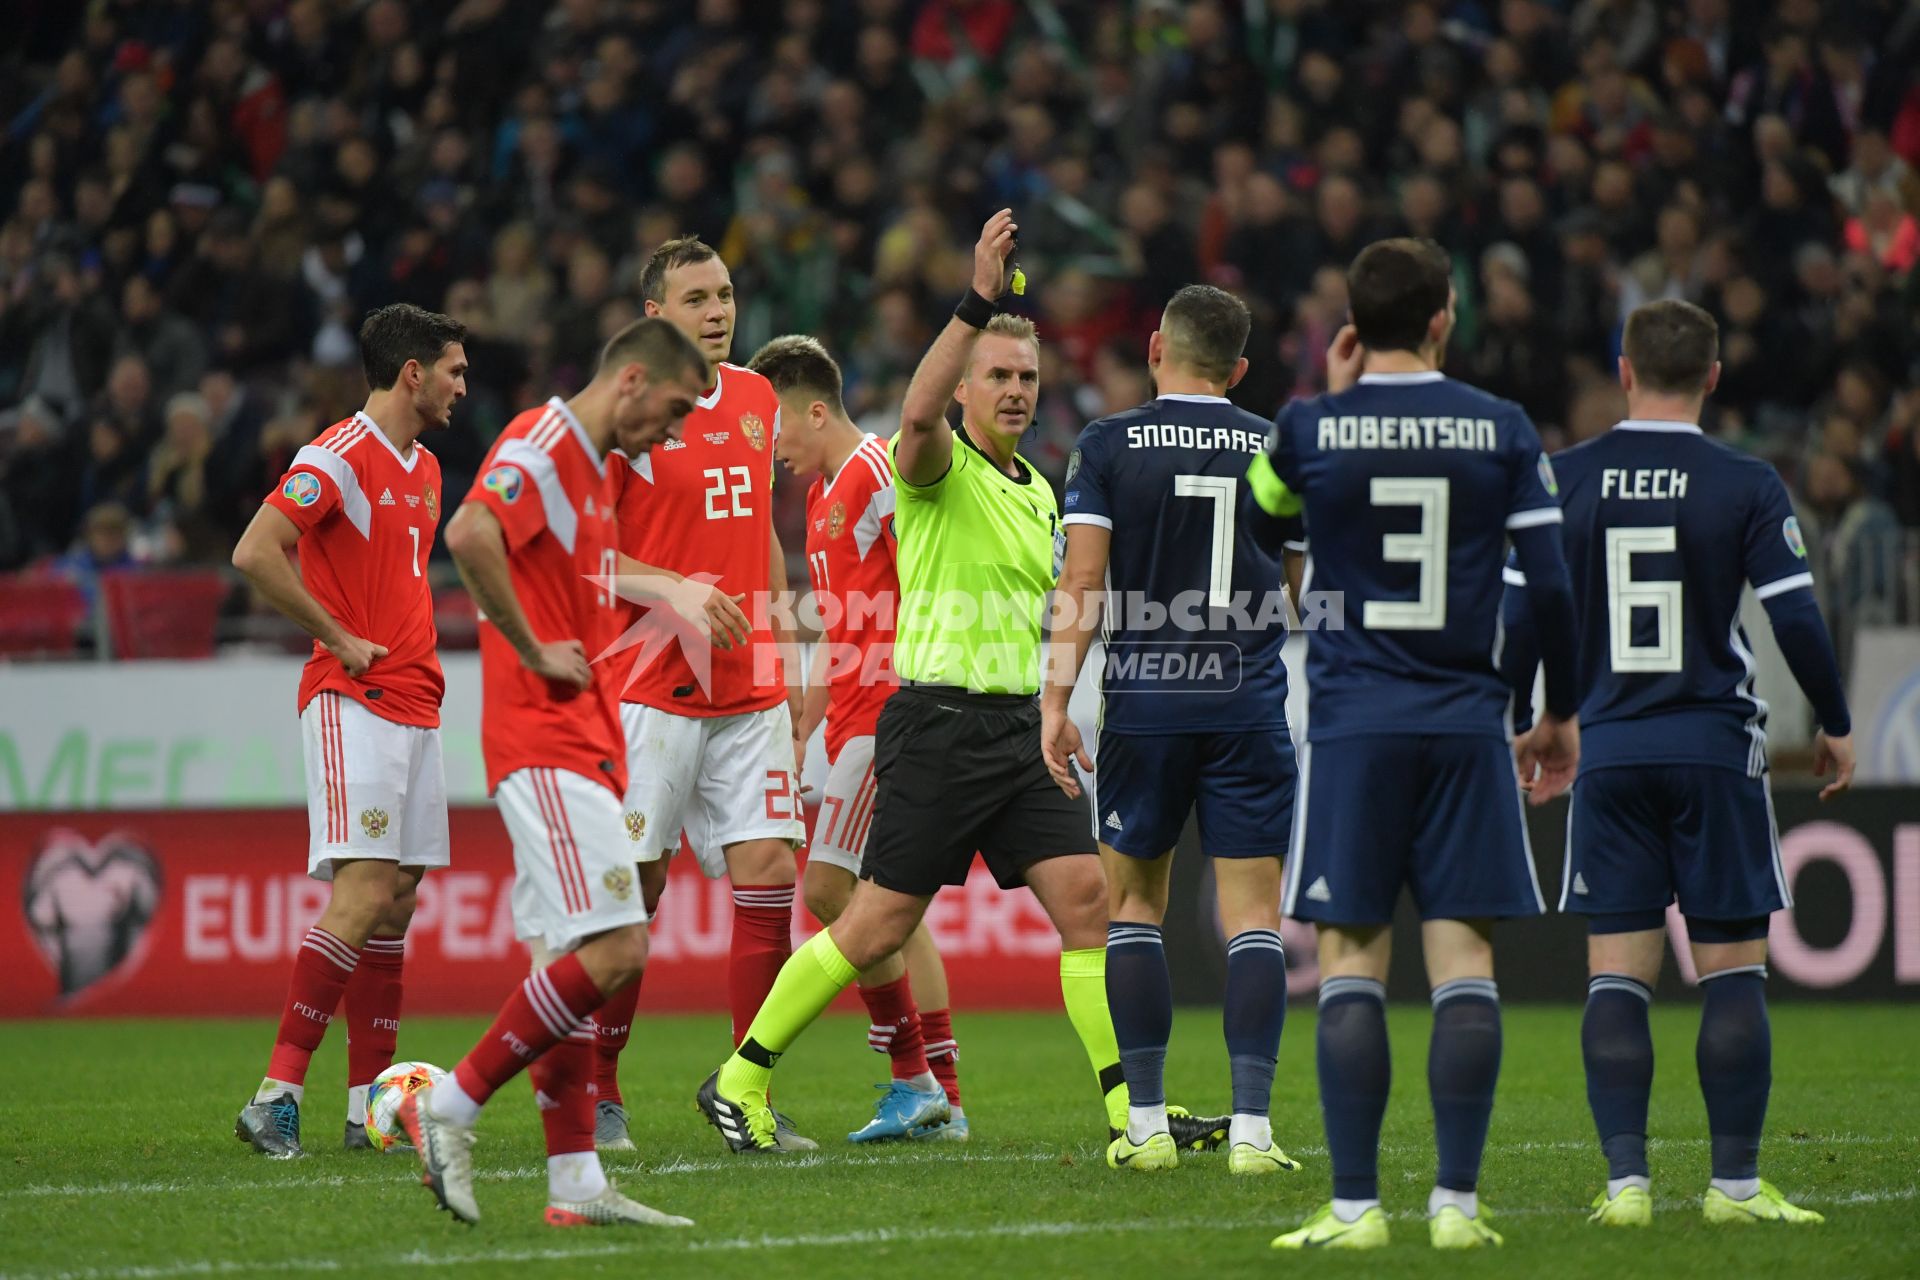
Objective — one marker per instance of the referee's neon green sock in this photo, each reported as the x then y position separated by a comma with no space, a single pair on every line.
1083,986
806,985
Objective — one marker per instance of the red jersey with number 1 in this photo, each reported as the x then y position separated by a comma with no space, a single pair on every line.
367,517
850,558
554,497
703,504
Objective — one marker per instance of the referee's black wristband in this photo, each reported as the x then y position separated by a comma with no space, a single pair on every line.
974,311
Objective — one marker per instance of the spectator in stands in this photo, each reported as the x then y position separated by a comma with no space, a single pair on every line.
185,485
169,344
105,544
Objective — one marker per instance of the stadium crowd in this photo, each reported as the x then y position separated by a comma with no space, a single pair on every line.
200,198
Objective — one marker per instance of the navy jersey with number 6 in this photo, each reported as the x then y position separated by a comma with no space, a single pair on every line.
1411,483
1664,527
1195,619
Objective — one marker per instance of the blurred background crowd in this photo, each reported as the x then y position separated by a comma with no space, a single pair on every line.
200,198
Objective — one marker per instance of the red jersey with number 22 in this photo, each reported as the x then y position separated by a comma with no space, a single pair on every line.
554,497
850,558
703,504
367,517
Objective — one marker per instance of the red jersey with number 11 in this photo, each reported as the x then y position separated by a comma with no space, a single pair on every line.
367,517
703,504
850,558
549,488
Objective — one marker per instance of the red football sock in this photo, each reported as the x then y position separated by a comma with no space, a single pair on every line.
563,1090
943,1055
320,973
373,1010
541,1012
895,1029
612,1024
762,941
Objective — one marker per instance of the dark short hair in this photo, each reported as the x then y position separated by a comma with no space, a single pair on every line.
659,345
799,363
1672,346
682,251
394,335
1394,288
1206,328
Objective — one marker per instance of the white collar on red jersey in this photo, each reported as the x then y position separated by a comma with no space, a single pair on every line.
712,397
406,460
865,438
559,406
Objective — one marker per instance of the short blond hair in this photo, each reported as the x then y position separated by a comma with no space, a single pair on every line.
1007,325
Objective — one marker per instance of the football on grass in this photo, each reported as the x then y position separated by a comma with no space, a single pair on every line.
390,1089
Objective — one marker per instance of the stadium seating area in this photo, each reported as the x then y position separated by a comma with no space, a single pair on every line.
199,200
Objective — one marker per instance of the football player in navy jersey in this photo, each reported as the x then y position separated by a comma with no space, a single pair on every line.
1195,707
1664,528
1412,485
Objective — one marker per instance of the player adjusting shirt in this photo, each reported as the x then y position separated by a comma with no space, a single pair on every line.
957,749
1665,527
367,518
850,561
376,786
1194,702
703,504
545,483
1411,484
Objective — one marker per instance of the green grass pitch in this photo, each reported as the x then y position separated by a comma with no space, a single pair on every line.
117,1160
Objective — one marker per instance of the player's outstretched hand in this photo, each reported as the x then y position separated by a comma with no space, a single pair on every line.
1060,746
1344,358
715,614
563,662
1547,756
356,655
1833,755
990,255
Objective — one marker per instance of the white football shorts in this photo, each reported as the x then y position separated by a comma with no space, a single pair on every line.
846,807
573,872
375,789
720,779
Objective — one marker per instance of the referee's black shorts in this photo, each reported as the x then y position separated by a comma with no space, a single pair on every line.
957,773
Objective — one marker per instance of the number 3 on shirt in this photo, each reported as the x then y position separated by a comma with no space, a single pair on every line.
1427,611
727,487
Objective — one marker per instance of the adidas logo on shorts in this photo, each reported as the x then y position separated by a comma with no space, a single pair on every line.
1579,884
1113,820
1318,890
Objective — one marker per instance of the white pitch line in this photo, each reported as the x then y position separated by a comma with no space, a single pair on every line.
665,1242
733,1165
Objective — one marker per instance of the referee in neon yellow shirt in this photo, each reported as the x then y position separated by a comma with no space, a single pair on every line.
957,753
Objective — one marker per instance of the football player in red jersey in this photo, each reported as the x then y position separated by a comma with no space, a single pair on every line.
856,585
536,545
361,503
710,729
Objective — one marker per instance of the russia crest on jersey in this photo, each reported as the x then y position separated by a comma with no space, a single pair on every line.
754,429
503,483
301,489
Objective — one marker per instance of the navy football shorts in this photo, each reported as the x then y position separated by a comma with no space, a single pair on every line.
1439,814
1642,836
1242,785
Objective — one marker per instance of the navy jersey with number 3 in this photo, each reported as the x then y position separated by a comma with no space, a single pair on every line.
1411,483
1664,527
1195,619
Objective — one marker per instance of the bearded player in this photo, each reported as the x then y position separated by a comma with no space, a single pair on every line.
535,544
710,750
361,504
850,560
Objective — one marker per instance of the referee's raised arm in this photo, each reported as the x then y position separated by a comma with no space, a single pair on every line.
924,448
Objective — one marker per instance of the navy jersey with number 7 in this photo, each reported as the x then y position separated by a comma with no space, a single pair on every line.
1411,485
1195,619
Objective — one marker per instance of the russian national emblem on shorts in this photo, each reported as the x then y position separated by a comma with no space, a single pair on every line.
373,822
836,519
754,430
636,825
619,882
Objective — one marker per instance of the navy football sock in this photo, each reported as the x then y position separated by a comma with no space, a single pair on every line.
1618,1047
1140,997
1735,1057
1463,1065
1255,1012
1355,1074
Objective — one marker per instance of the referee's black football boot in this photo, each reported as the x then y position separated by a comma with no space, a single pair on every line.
747,1125
1190,1132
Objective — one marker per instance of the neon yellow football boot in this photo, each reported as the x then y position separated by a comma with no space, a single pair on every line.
1156,1153
1764,1205
1325,1231
1451,1228
1633,1207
